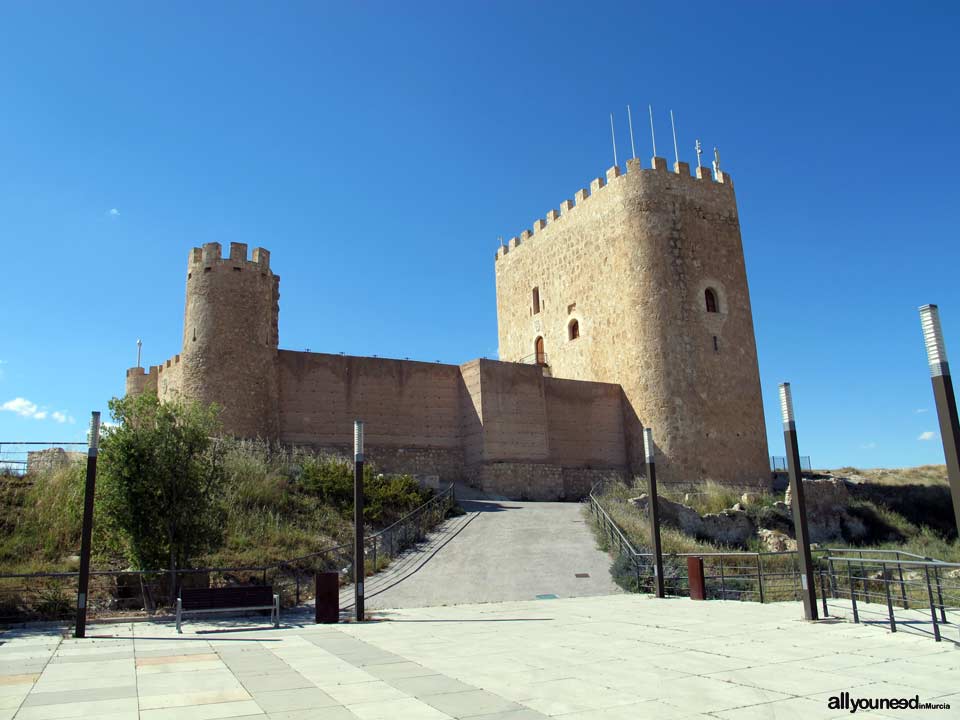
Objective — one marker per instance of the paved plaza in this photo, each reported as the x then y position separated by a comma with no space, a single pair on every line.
618,656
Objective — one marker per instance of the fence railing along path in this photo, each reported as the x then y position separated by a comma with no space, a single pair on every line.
874,585
52,595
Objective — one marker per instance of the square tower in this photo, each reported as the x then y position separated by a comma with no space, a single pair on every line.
641,281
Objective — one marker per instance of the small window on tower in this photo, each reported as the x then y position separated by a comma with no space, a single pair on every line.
573,330
536,300
710,296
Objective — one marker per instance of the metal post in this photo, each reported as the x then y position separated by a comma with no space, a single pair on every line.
809,593
903,587
93,445
853,595
760,575
936,579
833,578
823,593
945,399
723,586
654,514
933,612
358,555
886,588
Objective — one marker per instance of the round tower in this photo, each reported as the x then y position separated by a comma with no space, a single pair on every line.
230,339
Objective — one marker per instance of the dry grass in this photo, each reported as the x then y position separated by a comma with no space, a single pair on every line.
921,475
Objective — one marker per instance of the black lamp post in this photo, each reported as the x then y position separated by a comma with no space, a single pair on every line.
945,399
83,583
654,513
807,590
358,554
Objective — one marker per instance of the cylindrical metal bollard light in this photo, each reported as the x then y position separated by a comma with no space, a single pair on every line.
654,513
83,583
945,399
358,554
807,590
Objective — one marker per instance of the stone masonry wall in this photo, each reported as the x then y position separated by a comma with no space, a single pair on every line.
630,262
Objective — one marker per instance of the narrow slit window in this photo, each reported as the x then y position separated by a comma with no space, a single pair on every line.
710,297
573,330
536,300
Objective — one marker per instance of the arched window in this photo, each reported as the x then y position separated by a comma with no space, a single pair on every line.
573,330
538,349
710,296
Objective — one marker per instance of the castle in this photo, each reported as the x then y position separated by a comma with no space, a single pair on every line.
627,308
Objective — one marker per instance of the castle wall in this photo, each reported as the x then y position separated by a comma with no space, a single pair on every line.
585,423
408,408
502,425
630,262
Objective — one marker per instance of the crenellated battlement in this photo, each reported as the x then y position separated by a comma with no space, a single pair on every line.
138,371
210,256
658,166
170,363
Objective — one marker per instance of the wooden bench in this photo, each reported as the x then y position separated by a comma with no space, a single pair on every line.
228,599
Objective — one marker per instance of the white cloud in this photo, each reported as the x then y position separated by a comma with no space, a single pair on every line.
113,212
868,446
21,406
25,408
928,435
920,411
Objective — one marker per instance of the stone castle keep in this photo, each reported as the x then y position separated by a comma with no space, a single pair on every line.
629,307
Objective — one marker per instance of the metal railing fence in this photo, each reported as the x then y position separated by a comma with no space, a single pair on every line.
888,585
891,587
52,596
750,576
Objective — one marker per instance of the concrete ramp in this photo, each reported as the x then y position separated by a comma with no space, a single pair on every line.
499,550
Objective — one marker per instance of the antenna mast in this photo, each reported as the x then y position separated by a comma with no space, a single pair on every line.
633,150
653,135
139,346
614,136
676,153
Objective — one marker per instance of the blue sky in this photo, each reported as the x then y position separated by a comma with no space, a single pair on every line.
378,150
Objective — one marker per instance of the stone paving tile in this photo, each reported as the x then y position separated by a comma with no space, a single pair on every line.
205,712
429,685
404,709
79,695
189,699
125,707
297,699
469,703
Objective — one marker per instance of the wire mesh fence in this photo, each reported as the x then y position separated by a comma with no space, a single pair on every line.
19,458
778,463
52,596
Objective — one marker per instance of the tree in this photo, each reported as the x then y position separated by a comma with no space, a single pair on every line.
162,475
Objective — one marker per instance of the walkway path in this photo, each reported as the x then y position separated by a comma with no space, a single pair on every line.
599,658
499,550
